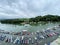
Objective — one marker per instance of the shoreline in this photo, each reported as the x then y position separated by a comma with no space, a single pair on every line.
56,42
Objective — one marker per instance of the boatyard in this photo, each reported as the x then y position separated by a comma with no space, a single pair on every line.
25,37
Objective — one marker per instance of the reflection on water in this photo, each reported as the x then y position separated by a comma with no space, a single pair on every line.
31,28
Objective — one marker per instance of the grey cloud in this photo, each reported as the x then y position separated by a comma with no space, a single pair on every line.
28,8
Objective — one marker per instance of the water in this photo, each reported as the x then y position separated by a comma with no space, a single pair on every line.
34,28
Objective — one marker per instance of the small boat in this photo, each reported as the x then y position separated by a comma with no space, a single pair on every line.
2,37
26,25
17,40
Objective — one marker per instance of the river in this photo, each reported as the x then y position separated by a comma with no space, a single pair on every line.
31,28
34,28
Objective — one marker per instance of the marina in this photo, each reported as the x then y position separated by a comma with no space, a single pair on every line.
25,37
29,22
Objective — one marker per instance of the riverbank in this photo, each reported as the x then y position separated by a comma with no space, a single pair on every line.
32,23
56,42
33,20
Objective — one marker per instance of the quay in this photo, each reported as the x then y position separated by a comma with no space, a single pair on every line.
56,42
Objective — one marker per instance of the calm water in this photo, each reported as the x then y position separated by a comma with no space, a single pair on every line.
17,28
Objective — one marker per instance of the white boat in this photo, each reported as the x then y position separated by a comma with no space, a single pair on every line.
26,25
16,40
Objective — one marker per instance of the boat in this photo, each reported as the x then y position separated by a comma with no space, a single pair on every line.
26,25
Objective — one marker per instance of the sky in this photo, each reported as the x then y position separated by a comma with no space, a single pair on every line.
28,8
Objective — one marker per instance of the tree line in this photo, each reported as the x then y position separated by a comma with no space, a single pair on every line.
51,18
46,18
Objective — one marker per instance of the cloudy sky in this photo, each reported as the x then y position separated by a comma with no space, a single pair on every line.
28,8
